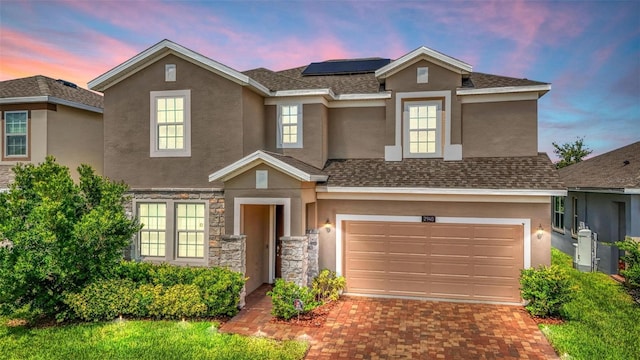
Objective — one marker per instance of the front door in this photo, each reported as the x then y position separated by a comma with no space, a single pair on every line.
279,232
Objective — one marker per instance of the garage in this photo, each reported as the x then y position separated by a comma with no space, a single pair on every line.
477,262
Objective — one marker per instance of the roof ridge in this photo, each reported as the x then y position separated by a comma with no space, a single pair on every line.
42,85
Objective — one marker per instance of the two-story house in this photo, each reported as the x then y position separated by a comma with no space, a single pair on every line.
411,177
41,116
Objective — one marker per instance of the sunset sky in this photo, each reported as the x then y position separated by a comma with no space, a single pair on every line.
588,50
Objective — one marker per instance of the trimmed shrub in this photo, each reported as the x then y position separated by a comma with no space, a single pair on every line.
283,295
220,289
160,291
546,289
177,301
104,300
327,286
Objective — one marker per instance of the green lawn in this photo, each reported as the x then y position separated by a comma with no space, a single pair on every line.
603,321
140,340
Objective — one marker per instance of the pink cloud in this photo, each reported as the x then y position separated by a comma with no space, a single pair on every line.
24,55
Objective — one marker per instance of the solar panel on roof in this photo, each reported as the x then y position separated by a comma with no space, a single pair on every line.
341,67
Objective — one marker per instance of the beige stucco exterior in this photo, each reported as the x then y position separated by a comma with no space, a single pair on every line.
73,136
356,133
507,128
219,134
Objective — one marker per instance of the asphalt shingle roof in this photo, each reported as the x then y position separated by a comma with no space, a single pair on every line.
530,173
617,169
40,85
300,165
483,81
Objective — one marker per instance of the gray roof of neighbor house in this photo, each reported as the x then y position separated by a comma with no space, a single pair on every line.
367,83
504,173
57,91
617,169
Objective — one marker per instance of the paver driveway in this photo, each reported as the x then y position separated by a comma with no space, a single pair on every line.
371,328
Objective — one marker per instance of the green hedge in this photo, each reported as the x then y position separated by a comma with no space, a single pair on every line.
547,288
159,291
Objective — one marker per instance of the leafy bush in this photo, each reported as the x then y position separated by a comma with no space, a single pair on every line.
546,289
220,290
632,260
160,291
178,301
104,300
283,295
61,236
327,286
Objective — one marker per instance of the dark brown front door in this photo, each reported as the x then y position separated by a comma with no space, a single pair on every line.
279,218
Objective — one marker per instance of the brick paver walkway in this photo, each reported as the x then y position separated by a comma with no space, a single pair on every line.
371,328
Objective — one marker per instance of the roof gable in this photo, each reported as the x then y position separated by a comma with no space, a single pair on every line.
288,165
424,53
162,49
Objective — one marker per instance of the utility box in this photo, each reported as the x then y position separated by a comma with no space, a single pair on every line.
585,252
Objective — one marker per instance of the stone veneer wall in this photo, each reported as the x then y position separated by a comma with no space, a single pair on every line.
233,255
216,213
295,259
6,176
312,250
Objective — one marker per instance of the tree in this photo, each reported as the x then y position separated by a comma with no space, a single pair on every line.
571,153
58,236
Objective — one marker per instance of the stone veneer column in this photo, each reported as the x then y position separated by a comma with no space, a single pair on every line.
312,249
295,259
233,255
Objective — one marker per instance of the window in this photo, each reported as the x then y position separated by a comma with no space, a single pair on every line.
15,134
558,213
170,123
290,126
422,129
190,230
170,72
173,231
423,75
152,235
574,208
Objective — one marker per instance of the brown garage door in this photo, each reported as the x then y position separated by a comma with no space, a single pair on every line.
451,261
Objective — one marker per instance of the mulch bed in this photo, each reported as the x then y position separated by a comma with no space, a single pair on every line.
314,318
544,320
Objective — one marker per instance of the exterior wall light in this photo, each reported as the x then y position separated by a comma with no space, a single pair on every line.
327,225
540,231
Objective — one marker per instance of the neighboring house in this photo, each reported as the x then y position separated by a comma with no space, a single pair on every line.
42,116
412,177
604,195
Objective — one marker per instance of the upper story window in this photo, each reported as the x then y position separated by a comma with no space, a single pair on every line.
558,213
173,231
170,123
422,127
15,135
289,126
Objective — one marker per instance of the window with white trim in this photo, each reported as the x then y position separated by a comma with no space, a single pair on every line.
289,126
173,231
15,132
558,213
422,128
170,123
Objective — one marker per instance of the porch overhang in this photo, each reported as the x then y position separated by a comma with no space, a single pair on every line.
261,157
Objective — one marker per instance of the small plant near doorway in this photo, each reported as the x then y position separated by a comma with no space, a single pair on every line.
631,271
290,299
328,286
